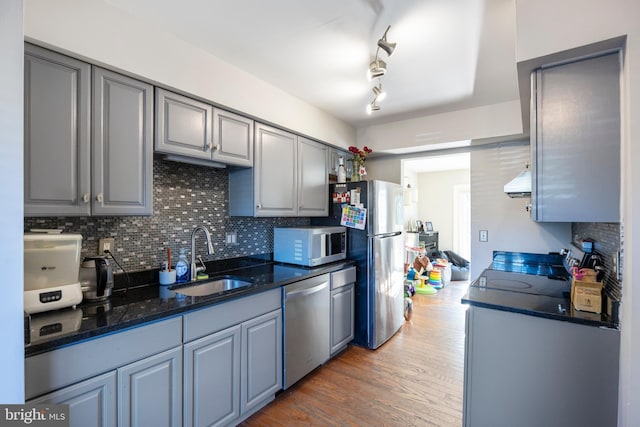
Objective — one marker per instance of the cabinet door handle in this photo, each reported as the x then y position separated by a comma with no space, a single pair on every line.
86,197
209,147
216,147
100,198
259,206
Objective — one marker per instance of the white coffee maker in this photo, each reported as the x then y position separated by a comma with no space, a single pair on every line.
51,268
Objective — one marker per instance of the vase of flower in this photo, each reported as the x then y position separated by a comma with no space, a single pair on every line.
359,157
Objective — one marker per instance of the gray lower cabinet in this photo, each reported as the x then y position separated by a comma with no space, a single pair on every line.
529,371
57,152
342,308
67,172
122,167
92,403
289,177
150,391
261,373
133,377
232,359
191,129
575,141
212,379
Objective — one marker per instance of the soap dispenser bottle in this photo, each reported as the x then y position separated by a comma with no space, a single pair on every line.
182,268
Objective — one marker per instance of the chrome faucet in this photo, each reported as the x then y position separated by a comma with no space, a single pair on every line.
194,269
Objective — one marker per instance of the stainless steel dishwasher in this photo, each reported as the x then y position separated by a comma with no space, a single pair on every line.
306,327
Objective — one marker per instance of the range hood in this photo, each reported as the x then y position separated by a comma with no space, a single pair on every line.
520,186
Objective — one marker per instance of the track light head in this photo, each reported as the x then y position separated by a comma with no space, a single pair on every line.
372,107
379,92
377,68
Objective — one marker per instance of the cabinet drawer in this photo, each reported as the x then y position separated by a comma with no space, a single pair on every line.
343,277
58,368
212,319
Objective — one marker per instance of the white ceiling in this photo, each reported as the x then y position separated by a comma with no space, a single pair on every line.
437,163
450,54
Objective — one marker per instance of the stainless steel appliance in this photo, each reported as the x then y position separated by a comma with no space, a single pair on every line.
96,278
307,320
309,246
51,268
378,251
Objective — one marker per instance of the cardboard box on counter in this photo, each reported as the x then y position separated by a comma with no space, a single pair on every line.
586,295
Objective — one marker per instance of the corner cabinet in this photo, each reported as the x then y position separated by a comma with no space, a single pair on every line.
289,177
85,154
575,141
193,129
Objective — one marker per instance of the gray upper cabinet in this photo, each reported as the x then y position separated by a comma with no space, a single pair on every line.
289,177
575,141
313,178
183,125
122,166
56,134
232,138
195,130
84,154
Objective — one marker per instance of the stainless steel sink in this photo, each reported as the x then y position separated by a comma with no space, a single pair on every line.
210,286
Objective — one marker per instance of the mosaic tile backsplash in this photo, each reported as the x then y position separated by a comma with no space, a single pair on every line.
184,196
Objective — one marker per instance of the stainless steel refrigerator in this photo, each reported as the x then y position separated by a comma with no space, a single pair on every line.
378,251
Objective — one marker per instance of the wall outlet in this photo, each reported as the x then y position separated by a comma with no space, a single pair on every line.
106,244
232,238
484,235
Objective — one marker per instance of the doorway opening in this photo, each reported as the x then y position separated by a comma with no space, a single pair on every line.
437,192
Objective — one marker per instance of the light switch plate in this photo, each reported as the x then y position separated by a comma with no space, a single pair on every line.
484,235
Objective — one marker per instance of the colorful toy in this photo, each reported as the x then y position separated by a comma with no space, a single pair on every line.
435,278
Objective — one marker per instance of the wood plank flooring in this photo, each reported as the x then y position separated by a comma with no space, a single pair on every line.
415,379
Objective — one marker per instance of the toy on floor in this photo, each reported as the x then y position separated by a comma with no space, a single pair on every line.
435,278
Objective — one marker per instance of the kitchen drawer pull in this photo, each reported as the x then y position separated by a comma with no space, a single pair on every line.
100,198
306,291
86,197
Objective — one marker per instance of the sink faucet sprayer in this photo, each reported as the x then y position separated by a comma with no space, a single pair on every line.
194,269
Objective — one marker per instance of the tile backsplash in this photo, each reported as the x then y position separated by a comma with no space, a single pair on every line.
184,196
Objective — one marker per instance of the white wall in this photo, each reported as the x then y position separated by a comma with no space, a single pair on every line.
97,31
435,202
548,26
509,225
11,264
475,123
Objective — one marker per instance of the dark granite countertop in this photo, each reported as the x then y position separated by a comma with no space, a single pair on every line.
530,284
150,302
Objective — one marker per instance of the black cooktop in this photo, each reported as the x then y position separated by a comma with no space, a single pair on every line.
552,286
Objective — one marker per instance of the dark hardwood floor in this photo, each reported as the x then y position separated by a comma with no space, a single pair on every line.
415,379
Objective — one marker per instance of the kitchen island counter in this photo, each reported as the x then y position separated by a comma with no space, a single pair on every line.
530,284
148,303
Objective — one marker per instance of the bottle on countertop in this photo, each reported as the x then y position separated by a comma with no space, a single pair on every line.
182,268
342,172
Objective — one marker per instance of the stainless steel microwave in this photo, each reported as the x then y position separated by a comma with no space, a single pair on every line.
309,246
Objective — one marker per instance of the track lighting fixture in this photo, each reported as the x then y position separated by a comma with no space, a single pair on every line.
377,69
